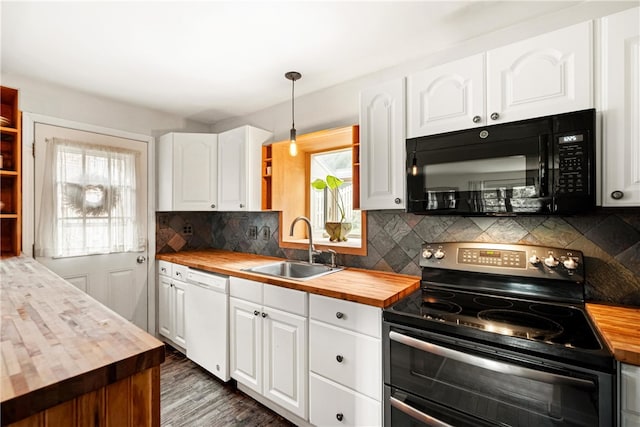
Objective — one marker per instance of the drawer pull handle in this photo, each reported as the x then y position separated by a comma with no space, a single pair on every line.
256,312
339,358
339,416
339,315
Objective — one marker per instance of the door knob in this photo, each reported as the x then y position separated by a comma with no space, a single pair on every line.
495,116
476,119
141,259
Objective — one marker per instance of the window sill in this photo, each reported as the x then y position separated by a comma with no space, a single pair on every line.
353,246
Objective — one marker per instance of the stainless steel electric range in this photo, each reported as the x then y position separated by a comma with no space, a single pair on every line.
496,336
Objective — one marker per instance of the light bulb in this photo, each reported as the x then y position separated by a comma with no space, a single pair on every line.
414,166
293,147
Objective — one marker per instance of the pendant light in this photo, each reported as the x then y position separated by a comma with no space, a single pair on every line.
414,162
293,147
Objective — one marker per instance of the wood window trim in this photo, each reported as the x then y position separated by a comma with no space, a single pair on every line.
290,192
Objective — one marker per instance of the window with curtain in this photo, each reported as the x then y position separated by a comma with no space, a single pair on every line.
89,200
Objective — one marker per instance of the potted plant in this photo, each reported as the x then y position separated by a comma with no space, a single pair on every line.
337,230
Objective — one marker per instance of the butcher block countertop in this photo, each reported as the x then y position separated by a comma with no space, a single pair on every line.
620,328
376,288
58,343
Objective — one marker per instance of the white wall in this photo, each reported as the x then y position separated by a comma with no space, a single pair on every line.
69,104
338,105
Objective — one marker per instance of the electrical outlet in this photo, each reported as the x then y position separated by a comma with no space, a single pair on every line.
253,232
266,232
187,230
163,221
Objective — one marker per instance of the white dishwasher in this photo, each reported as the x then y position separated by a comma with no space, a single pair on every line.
207,314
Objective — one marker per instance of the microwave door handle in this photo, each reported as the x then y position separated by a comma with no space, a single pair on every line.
543,169
490,364
416,414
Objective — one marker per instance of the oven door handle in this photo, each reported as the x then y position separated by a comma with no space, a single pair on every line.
417,415
490,364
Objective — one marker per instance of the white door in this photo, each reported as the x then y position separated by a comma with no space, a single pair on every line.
382,146
285,361
179,316
548,74
447,97
621,109
91,215
245,347
232,187
165,291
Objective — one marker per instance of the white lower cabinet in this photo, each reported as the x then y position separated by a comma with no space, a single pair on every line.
629,395
172,290
345,363
268,342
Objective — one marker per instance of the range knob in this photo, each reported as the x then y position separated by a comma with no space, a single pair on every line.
439,254
551,261
534,260
570,264
427,254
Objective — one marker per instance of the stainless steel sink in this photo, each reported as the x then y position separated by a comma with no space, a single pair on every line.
293,270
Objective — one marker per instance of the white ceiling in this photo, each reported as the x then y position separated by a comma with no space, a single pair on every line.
210,60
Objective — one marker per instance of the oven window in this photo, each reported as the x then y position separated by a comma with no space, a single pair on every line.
491,389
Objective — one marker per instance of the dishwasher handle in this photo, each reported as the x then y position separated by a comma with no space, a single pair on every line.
207,280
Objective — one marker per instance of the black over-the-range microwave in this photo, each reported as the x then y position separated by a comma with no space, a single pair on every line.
544,165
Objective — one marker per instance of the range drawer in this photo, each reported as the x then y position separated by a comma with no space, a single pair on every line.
346,357
334,405
361,318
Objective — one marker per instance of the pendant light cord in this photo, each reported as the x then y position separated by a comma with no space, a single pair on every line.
293,120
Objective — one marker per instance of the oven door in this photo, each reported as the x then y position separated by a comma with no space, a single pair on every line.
437,383
504,173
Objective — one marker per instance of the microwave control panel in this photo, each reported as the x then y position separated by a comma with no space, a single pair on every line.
573,167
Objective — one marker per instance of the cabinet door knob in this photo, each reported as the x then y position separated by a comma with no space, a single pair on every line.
476,119
397,200
495,116
256,312
617,195
241,205
264,314
213,205
339,315
339,358
339,416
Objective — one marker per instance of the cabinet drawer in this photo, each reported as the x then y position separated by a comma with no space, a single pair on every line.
180,272
248,290
630,388
330,401
165,268
346,357
285,299
356,317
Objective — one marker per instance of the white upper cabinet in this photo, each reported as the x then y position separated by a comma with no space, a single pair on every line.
239,168
548,74
540,76
382,146
447,97
621,108
187,172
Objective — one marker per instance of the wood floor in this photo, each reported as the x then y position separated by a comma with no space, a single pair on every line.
190,396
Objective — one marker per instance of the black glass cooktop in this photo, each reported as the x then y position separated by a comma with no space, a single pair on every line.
556,324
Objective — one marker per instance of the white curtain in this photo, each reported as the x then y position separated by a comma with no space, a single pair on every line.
88,200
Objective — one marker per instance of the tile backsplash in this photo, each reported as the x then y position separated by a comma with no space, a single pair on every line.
609,240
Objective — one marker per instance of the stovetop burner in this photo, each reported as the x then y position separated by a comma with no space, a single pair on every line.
560,325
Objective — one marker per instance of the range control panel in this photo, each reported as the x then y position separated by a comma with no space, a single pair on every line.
515,260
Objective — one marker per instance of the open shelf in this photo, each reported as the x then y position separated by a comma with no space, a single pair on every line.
10,173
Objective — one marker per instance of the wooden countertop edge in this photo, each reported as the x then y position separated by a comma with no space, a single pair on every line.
329,289
625,346
25,405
